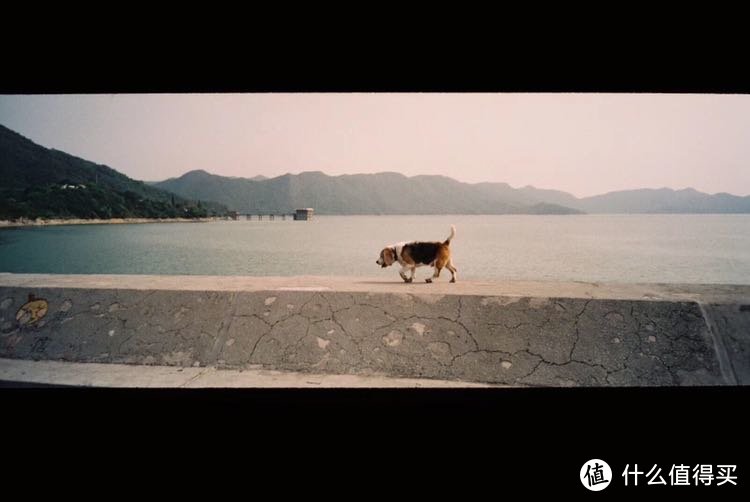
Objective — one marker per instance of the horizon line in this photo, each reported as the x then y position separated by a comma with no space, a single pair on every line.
314,171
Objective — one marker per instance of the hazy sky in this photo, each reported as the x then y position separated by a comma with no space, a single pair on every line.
584,144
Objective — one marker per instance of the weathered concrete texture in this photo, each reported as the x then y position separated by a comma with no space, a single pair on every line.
508,340
28,373
730,323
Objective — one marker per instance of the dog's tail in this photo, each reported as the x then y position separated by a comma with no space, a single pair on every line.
451,236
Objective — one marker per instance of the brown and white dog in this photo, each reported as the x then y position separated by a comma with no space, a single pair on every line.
411,255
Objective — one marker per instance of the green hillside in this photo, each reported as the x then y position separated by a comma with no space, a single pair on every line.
37,182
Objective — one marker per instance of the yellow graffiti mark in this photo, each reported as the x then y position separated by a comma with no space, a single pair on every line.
32,311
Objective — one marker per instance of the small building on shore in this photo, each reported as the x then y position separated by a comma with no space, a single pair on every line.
303,214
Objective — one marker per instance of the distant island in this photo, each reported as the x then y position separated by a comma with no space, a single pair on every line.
42,183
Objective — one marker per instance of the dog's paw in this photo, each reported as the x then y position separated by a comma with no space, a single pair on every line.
453,280
428,280
408,279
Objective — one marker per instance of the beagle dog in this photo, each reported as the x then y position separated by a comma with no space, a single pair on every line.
411,255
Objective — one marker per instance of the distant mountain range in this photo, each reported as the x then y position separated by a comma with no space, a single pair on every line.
664,200
382,193
393,193
40,182
37,182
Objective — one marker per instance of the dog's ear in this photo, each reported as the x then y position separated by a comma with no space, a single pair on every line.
388,256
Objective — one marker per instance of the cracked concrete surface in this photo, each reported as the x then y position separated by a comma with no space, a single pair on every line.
730,323
518,340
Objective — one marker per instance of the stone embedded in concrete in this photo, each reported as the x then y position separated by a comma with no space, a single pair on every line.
173,328
516,340
326,347
244,333
277,346
488,366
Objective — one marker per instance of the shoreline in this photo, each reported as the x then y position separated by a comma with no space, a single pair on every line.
97,221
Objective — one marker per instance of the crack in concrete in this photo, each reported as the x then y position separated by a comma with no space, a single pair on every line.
251,316
194,377
302,307
350,296
354,342
725,365
458,321
578,334
672,336
674,347
382,309
290,348
126,339
494,324
439,318
638,330
266,333
353,339
640,372
661,332
223,330
484,351
566,363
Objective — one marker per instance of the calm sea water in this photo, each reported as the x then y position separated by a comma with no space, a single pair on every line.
615,248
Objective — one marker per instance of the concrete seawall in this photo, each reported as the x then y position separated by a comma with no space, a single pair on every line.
512,333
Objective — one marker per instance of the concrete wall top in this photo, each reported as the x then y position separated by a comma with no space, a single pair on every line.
702,293
508,333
